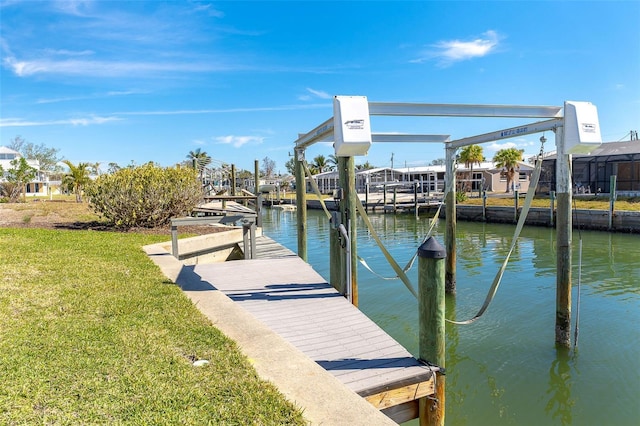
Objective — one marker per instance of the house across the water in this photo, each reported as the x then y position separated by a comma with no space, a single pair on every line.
430,178
592,173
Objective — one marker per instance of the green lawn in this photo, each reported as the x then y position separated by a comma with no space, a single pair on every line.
91,332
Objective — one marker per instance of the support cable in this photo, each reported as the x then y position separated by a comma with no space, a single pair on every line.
314,185
576,331
411,261
523,215
386,253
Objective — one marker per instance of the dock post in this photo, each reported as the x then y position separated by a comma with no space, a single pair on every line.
256,177
450,215
233,180
395,196
516,197
612,199
484,205
415,197
336,256
552,208
384,198
431,310
301,204
366,197
563,243
347,176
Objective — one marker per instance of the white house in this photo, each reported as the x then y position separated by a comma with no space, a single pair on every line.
39,185
430,178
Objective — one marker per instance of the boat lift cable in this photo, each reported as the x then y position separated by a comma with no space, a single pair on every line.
576,332
386,253
523,216
314,185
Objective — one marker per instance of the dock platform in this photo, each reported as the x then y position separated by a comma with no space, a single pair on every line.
284,294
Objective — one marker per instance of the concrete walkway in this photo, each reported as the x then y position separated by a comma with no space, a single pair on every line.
322,397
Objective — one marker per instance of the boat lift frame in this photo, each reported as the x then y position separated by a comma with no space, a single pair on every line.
554,122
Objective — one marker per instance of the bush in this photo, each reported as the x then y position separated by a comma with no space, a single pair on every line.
144,196
461,196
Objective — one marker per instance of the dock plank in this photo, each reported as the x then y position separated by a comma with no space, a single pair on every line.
293,300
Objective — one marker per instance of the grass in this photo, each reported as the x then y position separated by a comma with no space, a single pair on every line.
581,202
91,332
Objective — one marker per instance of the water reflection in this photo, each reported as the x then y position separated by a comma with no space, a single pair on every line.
560,404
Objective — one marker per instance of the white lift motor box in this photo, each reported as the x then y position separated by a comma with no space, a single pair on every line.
581,127
351,126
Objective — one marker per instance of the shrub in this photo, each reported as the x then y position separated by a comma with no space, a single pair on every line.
144,196
461,196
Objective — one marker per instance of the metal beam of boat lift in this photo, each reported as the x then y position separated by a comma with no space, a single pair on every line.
324,131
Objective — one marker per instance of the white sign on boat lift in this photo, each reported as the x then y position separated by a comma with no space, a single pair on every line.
352,125
581,127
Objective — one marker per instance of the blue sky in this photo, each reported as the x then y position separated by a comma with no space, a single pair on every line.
139,81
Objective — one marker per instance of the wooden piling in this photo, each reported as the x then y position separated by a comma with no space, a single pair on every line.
563,243
256,178
552,208
233,180
347,179
431,310
612,199
301,204
415,198
450,213
336,256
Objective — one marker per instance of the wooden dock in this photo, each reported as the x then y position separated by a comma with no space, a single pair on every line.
290,298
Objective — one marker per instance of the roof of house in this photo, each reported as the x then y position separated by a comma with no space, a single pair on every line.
7,150
609,149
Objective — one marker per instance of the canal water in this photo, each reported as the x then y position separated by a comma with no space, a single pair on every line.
504,369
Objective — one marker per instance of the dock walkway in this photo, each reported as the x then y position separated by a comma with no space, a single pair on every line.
287,297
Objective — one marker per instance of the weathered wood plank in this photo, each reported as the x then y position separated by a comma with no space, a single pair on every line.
293,300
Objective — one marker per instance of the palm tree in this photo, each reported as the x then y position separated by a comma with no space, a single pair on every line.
508,159
77,178
199,160
470,155
320,163
365,166
333,162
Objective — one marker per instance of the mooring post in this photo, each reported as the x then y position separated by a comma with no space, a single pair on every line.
450,214
515,205
395,196
336,255
301,204
384,198
563,243
484,205
347,177
431,310
552,208
233,180
256,177
366,197
612,199
415,197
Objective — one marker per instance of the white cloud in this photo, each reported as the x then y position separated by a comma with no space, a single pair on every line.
319,93
19,122
447,52
75,67
495,146
238,141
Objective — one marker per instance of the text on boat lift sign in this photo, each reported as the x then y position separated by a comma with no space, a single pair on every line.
581,127
351,125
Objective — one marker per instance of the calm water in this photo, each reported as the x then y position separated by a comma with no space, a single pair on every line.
504,369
